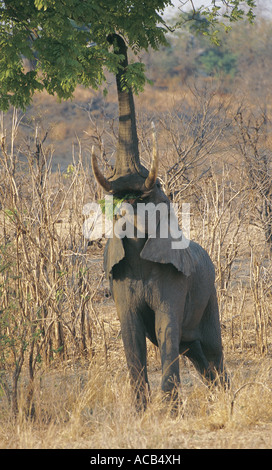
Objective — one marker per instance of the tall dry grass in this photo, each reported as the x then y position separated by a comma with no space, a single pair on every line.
91,407
63,379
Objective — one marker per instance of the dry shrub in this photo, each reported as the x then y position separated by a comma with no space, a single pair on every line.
63,379
48,280
60,131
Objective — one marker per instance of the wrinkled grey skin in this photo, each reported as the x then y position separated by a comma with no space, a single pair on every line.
160,293
169,297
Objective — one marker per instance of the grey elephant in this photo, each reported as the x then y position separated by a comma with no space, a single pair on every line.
164,294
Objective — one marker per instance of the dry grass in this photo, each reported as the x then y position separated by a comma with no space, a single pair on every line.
63,378
90,406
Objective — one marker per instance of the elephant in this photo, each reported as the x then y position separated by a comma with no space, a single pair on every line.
166,295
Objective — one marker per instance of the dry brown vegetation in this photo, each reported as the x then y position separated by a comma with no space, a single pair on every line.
63,378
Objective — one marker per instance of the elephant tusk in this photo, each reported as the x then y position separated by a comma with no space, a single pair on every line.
152,176
100,178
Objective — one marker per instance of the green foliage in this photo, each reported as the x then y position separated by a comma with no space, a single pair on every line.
52,45
199,45
194,21
135,78
65,44
111,206
235,12
218,61
209,20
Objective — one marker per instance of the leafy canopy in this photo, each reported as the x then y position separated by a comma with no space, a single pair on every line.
208,20
65,41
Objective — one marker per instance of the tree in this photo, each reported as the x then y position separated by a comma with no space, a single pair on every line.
66,42
218,61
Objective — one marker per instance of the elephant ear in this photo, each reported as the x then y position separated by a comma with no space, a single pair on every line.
161,250
158,250
114,252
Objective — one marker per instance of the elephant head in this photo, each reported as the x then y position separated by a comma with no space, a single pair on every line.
124,180
131,177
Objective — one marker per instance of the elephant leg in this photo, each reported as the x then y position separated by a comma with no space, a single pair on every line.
134,340
193,350
167,333
211,340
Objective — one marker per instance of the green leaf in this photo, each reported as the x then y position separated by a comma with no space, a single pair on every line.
66,42
41,4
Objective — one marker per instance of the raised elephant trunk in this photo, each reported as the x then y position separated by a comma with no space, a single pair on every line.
112,185
128,174
127,160
153,173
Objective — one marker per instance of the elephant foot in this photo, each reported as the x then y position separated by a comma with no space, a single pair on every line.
142,398
217,378
173,403
172,400
224,380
